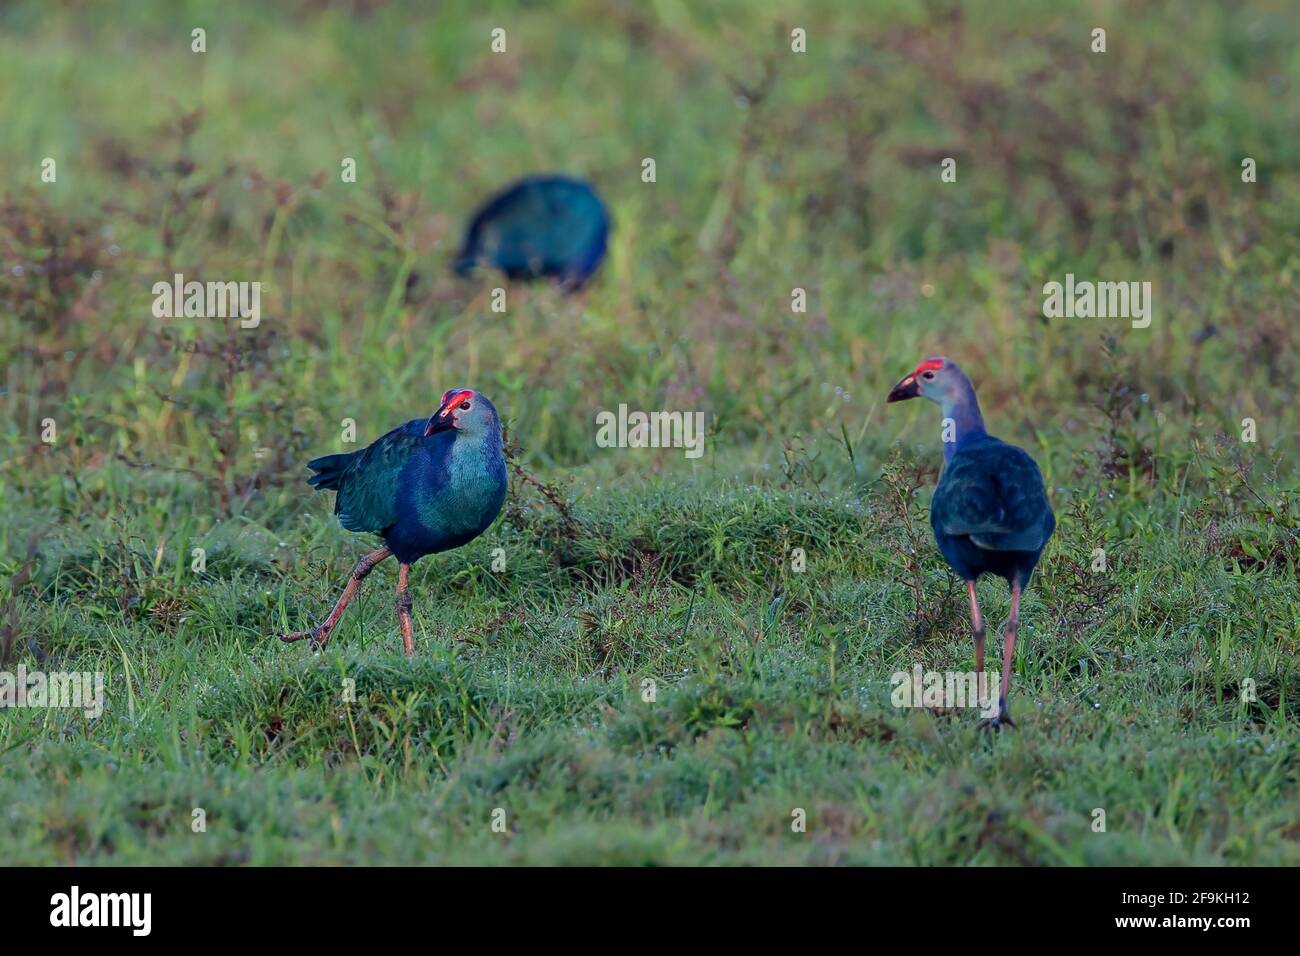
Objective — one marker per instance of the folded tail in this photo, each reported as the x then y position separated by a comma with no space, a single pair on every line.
329,470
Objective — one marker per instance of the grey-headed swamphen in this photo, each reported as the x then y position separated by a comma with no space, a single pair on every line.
990,512
540,226
430,485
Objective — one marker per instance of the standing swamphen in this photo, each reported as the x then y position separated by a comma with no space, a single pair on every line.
990,511
540,226
427,486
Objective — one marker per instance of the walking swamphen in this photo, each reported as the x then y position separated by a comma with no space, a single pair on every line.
990,511
427,486
540,226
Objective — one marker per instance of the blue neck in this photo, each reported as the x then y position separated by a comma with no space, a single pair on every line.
479,447
964,410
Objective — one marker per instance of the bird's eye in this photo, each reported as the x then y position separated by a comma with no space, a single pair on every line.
464,406
927,375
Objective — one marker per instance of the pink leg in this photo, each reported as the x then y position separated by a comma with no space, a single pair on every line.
404,609
1008,655
320,635
977,623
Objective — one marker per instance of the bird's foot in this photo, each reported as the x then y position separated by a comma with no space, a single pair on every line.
1003,719
317,637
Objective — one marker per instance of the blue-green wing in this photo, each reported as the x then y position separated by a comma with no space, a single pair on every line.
994,495
366,482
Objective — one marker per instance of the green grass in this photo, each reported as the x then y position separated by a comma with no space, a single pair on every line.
772,686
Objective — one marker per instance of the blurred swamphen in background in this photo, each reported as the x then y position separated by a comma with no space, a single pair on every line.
540,226
990,511
427,486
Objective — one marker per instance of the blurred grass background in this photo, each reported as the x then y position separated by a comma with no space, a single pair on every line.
775,171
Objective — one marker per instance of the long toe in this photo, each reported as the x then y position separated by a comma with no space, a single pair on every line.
316,638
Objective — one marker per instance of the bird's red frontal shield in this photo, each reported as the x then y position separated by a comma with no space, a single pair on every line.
443,418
